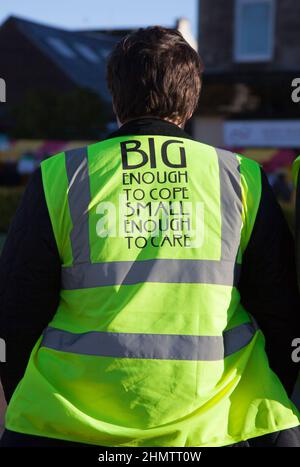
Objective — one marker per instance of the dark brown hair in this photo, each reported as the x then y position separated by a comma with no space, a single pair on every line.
154,71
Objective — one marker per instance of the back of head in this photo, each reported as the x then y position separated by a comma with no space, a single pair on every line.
154,72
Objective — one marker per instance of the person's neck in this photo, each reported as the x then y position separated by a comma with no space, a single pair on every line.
179,124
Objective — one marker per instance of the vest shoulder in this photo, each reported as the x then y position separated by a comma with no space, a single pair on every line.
55,159
240,157
250,167
295,170
246,164
59,158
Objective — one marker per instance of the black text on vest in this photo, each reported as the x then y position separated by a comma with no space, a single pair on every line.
132,147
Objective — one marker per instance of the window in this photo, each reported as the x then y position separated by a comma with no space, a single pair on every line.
105,52
61,47
254,30
87,53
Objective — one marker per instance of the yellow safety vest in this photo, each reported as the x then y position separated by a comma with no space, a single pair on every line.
150,345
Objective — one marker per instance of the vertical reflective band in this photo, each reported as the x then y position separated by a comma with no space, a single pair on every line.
79,198
231,203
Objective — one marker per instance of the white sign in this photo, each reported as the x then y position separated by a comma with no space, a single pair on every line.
262,133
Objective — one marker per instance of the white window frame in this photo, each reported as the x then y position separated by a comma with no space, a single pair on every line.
248,57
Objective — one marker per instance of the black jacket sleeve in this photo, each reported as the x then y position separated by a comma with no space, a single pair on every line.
297,231
268,285
29,282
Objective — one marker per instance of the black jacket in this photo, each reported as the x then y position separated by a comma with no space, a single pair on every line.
30,275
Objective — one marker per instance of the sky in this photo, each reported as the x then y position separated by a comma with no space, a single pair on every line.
73,14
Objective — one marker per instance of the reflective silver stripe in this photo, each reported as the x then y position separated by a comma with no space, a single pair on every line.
79,197
150,346
231,203
152,270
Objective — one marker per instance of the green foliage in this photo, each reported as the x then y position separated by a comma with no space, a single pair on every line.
47,114
9,201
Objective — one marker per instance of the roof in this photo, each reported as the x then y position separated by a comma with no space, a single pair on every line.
119,32
81,56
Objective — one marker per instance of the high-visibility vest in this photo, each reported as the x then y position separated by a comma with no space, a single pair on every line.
295,177
295,170
150,345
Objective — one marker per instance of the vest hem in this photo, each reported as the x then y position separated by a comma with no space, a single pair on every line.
225,442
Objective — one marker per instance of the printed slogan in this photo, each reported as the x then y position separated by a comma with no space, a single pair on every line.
154,207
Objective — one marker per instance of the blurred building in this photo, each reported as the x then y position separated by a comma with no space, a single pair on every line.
251,53
35,56
182,24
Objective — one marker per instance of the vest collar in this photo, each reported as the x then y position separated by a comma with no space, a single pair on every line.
150,126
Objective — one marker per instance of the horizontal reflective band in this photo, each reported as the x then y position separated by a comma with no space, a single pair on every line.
87,275
150,346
